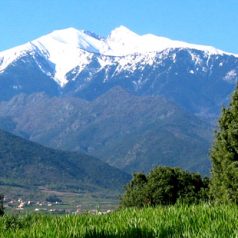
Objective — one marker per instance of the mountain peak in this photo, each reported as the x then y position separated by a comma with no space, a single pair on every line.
66,30
121,42
122,35
69,36
122,31
67,49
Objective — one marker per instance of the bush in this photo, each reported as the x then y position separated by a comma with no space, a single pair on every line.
53,198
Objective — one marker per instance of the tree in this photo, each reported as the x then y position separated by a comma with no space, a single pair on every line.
135,192
164,186
192,188
224,155
171,185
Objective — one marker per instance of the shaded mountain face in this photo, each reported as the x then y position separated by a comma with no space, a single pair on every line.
127,131
26,76
134,101
28,164
195,81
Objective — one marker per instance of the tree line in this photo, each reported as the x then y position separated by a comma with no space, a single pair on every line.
165,185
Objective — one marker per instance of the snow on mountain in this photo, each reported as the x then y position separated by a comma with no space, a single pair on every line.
8,56
70,48
67,49
123,42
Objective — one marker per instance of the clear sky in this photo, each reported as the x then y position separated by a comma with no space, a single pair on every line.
210,22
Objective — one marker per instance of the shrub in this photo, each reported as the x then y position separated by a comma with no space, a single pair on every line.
53,198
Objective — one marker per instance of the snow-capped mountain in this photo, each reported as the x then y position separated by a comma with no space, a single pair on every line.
124,119
70,48
80,63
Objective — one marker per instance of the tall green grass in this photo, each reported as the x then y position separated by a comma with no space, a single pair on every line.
172,221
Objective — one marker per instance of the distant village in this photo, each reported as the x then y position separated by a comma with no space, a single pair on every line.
56,207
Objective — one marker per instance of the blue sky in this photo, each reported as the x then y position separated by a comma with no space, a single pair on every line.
210,22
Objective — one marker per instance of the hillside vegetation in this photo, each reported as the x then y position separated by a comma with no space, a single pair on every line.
27,164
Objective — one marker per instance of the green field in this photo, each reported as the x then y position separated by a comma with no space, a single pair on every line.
172,221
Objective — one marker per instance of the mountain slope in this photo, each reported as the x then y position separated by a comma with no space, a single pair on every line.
127,131
28,164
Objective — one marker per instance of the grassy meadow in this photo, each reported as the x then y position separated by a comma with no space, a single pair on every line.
198,221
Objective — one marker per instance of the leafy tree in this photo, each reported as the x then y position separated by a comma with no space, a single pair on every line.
192,188
165,185
170,185
162,186
135,192
224,155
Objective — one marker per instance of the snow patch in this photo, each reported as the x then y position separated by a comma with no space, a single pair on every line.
231,76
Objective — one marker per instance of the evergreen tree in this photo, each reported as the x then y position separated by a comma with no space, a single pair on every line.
224,155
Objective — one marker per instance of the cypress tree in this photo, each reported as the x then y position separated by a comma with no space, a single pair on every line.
224,155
